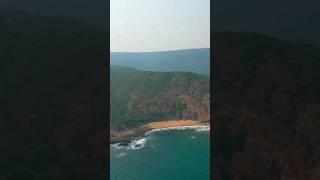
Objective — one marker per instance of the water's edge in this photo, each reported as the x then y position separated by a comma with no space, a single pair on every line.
139,141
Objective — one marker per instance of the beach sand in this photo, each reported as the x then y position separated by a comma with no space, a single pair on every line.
129,134
171,123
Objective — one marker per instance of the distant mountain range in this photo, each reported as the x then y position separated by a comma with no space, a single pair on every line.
188,60
138,97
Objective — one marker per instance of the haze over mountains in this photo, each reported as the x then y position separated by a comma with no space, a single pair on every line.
188,60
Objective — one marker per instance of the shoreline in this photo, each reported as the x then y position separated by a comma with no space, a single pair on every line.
126,136
171,123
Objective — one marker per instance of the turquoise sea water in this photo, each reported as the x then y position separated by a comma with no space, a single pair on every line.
163,155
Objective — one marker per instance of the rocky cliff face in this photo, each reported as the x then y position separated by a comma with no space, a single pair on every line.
192,107
266,109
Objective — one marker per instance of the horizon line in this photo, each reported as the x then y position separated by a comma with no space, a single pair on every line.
169,50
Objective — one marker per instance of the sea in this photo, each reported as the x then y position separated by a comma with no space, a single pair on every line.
181,153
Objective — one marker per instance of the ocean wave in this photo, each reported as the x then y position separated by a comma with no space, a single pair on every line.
137,144
140,143
117,146
204,128
118,156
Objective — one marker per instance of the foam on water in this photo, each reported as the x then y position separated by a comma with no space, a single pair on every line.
137,144
203,128
140,143
121,155
117,146
173,152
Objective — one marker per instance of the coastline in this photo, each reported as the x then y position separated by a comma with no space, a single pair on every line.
171,123
126,136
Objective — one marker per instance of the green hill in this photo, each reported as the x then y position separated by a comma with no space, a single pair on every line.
138,97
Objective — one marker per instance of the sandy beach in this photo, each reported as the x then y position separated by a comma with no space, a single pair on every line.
171,123
129,134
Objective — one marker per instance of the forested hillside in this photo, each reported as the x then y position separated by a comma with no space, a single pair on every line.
138,97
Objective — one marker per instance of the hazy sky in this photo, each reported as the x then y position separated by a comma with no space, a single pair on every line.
157,25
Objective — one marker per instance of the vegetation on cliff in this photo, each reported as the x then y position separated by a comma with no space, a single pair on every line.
139,97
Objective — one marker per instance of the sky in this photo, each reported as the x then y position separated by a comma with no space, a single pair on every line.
159,25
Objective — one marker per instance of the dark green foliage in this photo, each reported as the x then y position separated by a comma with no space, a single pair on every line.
138,96
180,107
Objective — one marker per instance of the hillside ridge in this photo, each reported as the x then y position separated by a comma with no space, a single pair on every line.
138,97
188,60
